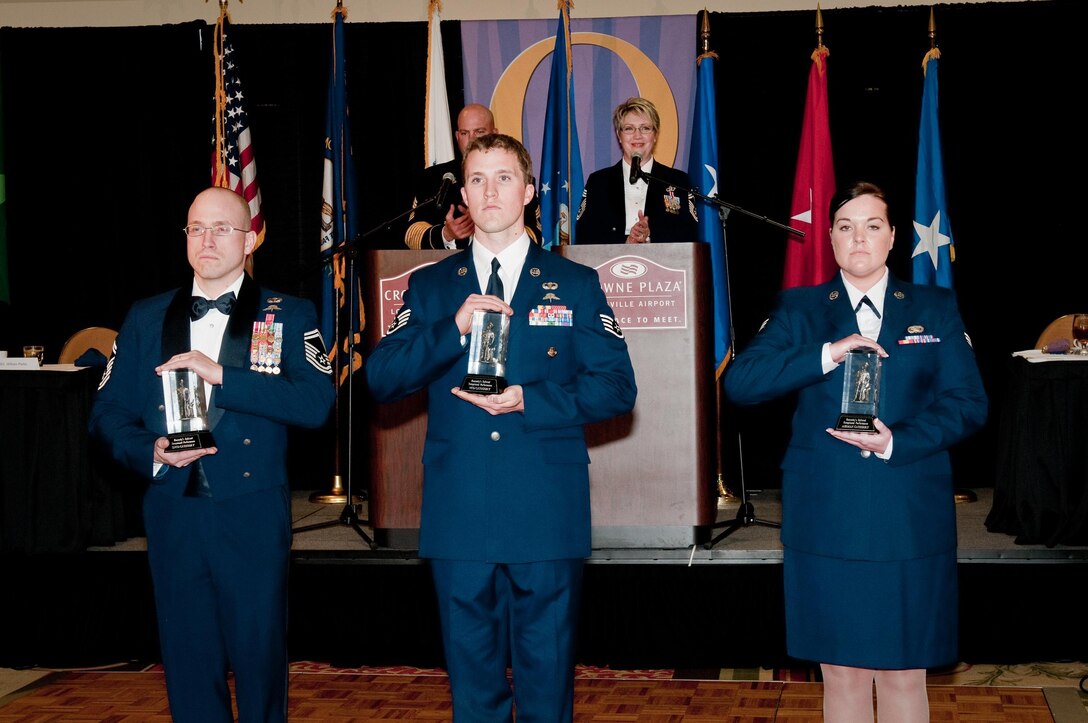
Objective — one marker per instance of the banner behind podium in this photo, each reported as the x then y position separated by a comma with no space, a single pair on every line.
652,478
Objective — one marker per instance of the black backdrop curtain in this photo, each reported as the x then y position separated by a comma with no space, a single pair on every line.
108,130
108,137
1014,147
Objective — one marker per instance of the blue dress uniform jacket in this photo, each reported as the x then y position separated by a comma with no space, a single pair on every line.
249,412
511,487
839,505
219,564
602,215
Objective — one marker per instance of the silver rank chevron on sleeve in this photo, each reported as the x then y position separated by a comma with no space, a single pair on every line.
316,353
611,325
399,320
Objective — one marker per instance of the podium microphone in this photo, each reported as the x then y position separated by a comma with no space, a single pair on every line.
448,180
636,162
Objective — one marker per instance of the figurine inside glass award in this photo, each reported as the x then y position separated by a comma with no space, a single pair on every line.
860,391
186,411
487,353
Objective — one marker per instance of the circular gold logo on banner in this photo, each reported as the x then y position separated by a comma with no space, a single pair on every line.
508,100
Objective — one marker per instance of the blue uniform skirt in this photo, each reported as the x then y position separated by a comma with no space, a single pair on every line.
889,615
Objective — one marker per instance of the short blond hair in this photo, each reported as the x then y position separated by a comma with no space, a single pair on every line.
636,105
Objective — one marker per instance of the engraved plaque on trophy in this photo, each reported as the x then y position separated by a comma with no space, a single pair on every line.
860,391
186,411
487,353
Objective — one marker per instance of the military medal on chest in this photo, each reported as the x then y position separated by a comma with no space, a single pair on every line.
266,345
672,201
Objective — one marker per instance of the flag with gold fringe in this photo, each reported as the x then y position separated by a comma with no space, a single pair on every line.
234,164
561,179
810,259
339,220
933,249
703,169
438,133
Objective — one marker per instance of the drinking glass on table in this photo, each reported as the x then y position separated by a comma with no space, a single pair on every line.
35,350
1080,334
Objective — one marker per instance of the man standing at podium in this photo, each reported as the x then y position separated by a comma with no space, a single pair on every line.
445,222
506,514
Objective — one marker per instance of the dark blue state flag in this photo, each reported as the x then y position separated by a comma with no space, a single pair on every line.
338,216
933,250
703,169
561,179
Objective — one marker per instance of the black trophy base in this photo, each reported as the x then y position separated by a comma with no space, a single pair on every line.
184,441
483,384
856,423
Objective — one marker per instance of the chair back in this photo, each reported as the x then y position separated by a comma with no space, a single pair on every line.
93,337
1060,328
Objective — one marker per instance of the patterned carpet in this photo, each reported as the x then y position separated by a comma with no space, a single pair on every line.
991,693
1032,675
1069,673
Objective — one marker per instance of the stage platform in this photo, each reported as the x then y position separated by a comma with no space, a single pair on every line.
753,543
689,607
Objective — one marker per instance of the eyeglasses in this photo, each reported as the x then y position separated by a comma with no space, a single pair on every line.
219,229
630,130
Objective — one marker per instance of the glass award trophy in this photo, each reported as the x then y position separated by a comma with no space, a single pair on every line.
186,411
487,353
860,391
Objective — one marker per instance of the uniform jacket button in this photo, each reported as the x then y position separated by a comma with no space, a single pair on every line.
246,442
245,474
495,436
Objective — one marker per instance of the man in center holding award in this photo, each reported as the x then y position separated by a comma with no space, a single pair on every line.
506,513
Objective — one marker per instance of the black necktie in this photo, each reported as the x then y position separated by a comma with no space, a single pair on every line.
494,284
224,303
868,302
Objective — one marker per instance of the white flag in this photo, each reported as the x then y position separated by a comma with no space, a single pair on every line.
438,147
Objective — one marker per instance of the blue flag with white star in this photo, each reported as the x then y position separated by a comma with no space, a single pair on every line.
561,179
703,169
933,250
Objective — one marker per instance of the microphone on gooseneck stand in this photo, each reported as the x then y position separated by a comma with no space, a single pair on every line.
636,170
441,198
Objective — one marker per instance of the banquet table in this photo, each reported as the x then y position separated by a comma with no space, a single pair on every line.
1041,485
56,495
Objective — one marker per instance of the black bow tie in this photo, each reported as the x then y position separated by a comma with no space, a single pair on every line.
224,303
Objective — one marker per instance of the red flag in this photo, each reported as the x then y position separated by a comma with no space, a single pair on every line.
810,260
233,163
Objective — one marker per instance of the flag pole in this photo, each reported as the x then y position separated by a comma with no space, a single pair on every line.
339,246
725,495
959,494
703,167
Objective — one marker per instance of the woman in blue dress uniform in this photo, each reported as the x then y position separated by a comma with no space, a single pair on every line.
868,528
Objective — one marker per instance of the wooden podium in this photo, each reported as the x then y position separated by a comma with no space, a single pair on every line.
652,478
652,473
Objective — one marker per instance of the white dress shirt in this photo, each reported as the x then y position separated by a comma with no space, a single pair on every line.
634,194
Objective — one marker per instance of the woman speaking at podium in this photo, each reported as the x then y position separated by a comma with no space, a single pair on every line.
639,199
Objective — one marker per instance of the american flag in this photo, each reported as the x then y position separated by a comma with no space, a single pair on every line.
234,165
